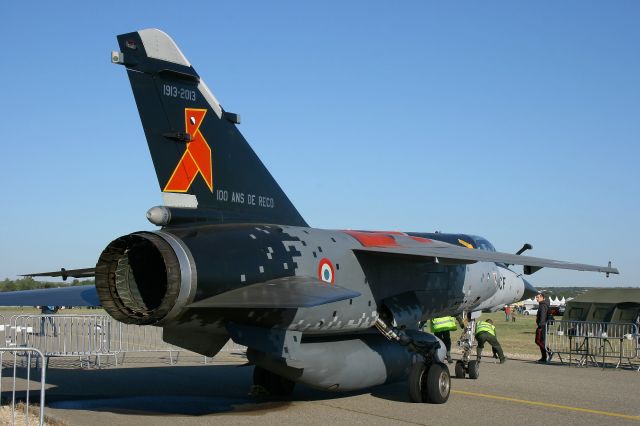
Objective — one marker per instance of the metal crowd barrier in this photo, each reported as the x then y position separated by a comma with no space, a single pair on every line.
82,336
128,338
17,407
585,342
91,337
4,337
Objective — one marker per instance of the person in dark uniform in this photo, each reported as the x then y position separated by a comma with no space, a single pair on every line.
541,321
486,332
46,312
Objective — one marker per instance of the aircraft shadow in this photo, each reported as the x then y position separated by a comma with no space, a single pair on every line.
181,390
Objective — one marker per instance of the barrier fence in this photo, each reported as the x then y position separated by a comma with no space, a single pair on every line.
90,337
3,339
21,383
94,336
598,343
30,340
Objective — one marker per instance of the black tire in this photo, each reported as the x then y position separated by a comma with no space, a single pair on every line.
474,369
429,383
275,384
417,381
460,370
438,384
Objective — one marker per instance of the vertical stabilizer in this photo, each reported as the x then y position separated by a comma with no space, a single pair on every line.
201,159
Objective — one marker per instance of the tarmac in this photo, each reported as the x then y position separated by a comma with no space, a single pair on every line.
148,391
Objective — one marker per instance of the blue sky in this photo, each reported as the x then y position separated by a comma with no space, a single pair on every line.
517,121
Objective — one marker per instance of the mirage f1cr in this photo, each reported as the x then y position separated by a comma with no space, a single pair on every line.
334,309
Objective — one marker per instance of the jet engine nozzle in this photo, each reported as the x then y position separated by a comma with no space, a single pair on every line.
144,278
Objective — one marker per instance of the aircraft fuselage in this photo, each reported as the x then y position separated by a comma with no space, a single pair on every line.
221,258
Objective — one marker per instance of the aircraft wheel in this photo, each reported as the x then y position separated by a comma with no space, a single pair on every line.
438,384
417,378
474,369
429,383
272,383
460,371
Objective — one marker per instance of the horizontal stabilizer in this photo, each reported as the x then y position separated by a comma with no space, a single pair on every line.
284,293
81,295
450,254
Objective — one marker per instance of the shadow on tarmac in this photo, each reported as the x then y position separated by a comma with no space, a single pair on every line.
179,390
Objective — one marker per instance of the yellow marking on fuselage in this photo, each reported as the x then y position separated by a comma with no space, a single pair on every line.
464,243
546,404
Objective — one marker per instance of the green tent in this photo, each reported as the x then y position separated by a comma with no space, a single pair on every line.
605,305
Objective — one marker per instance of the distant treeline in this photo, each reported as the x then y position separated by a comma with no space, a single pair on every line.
29,283
566,292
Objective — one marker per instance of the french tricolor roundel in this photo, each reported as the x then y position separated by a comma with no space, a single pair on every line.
325,271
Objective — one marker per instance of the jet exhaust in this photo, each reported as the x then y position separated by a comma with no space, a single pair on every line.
139,278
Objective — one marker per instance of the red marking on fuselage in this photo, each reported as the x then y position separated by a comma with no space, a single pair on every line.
383,238
387,232
373,239
421,240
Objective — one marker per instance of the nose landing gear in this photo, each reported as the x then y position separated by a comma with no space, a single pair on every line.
466,366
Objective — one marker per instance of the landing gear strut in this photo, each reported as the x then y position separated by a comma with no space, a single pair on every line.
429,379
467,366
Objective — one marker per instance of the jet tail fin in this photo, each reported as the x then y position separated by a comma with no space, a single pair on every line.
201,159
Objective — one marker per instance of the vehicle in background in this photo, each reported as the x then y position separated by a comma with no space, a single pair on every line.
557,311
553,310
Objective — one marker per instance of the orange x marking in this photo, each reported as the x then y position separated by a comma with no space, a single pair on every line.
196,158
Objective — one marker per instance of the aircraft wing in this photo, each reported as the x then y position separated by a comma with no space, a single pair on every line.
287,292
450,254
81,295
66,273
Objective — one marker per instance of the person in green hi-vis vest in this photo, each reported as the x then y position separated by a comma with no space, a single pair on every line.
486,332
441,328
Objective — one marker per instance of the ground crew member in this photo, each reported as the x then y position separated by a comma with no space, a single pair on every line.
486,332
442,327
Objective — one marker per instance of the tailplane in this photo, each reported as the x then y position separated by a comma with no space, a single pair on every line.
204,165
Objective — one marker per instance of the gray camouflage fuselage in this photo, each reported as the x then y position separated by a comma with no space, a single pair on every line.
308,344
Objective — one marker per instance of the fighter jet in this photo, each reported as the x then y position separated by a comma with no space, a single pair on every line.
337,310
